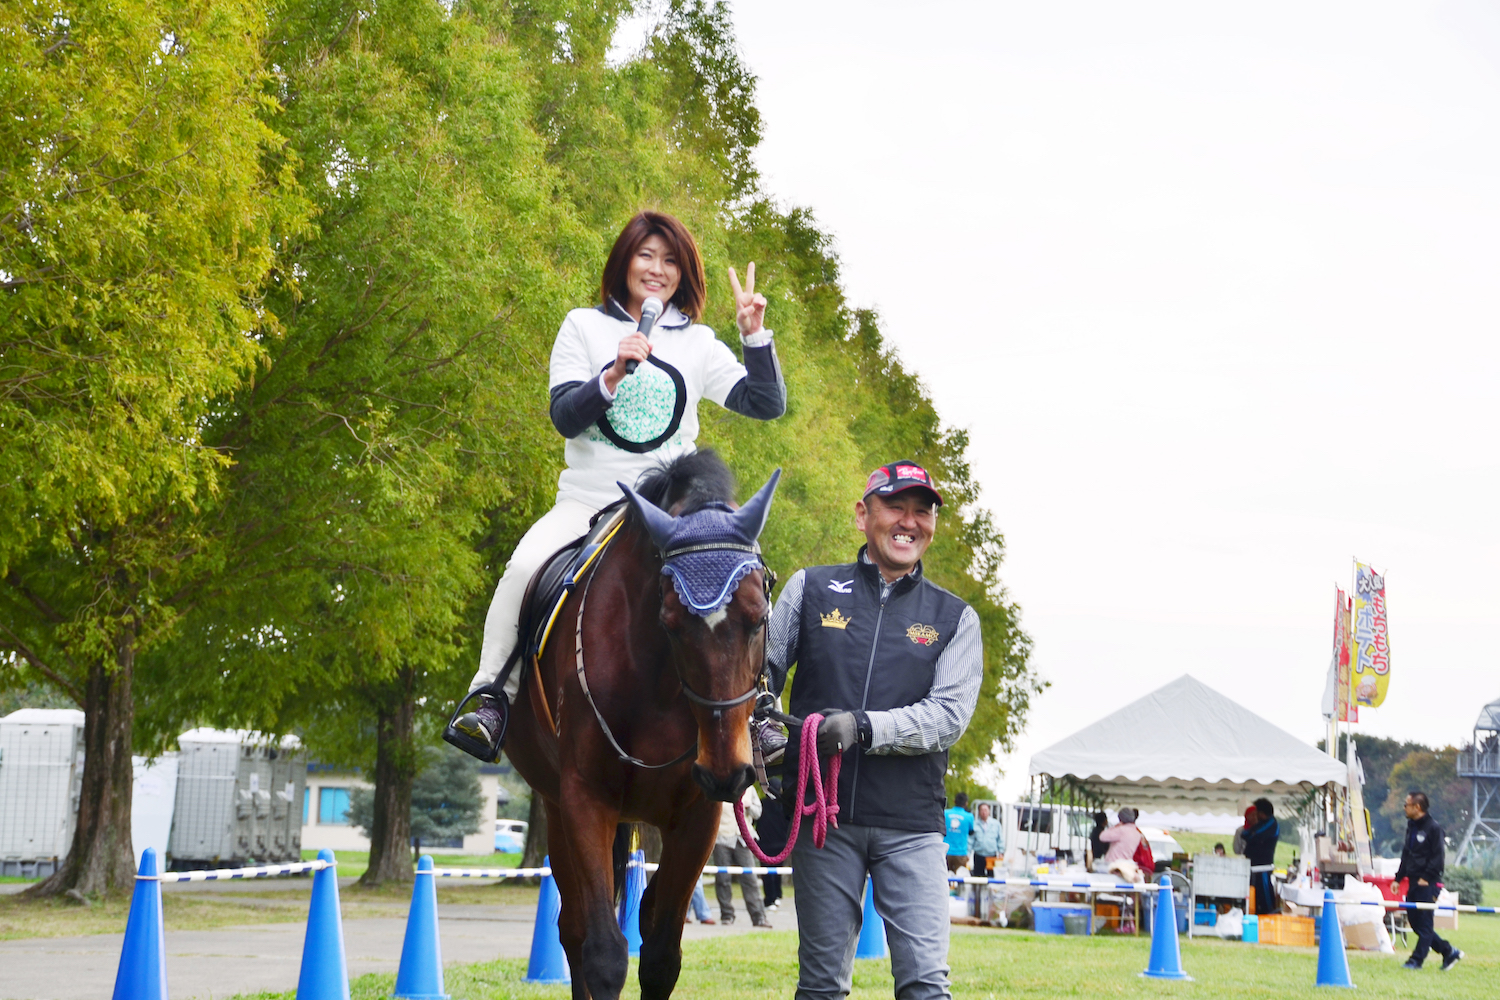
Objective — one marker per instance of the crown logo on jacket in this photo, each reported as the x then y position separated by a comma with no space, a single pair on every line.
835,620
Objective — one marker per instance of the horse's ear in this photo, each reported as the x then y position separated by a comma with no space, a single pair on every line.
752,516
659,524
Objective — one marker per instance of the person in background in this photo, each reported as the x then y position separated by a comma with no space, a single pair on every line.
1097,847
1123,838
1260,847
958,822
771,830
730,850
1218,850
1252,817
1422,865
700,906
987,841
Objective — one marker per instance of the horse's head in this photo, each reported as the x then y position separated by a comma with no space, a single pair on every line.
716,612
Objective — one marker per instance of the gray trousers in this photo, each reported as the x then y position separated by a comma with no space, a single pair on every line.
911,896
749,884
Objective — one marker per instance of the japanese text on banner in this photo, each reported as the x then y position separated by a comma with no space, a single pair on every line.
1371,649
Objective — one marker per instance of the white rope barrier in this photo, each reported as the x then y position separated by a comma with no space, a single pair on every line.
1051,884
227,874
1392,904
492,872
1057,885
543,872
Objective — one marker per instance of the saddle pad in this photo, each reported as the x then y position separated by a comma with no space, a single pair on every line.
555,579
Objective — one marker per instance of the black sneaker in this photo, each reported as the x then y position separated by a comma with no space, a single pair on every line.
481,732
1453,959
1412,966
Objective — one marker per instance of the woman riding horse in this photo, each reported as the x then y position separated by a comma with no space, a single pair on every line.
626,404
643,716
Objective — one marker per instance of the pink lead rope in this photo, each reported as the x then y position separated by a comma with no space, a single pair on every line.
824,808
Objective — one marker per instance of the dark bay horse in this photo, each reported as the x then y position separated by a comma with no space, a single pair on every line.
664,680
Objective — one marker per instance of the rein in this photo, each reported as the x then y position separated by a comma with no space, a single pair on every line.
583,682
824,808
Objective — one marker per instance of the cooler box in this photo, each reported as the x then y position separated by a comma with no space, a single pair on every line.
1049,916
1388,886
1205,916
1251,932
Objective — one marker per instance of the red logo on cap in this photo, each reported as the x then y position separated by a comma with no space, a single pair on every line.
911,472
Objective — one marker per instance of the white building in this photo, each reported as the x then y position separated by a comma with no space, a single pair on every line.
325,808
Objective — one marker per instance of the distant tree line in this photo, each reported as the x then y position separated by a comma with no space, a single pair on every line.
278,283
1393,768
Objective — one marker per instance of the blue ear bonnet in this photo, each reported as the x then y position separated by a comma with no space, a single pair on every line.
709,557
708,552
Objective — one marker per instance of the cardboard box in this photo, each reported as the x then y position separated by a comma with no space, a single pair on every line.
1363,937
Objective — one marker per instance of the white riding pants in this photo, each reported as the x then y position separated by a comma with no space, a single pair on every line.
560,525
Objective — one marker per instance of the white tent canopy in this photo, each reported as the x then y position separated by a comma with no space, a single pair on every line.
1186,748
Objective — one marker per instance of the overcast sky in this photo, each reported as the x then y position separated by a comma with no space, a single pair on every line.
1214,289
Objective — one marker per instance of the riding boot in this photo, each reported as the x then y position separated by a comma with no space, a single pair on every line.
481,732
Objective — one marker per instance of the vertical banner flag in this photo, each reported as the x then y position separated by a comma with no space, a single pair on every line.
1371,659
1348,709
1337,700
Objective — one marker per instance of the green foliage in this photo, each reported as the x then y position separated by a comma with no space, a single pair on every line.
303,461
1466,883
1377,755
446,800
1436,773
141,193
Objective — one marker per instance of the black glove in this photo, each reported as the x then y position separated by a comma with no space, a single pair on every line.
836,733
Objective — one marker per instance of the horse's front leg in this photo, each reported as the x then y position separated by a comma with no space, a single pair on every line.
587,830
685,847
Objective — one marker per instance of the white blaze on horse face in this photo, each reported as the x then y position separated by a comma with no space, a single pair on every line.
713,621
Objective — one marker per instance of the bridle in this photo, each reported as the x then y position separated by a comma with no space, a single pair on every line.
717,706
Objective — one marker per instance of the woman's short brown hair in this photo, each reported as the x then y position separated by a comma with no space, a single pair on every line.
691,287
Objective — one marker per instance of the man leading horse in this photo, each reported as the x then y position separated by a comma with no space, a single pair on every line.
893,662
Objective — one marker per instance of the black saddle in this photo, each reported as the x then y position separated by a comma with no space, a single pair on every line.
553,582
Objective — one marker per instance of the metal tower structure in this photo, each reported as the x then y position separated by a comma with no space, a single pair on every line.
1481,765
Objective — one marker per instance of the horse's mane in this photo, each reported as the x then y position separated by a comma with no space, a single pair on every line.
694,480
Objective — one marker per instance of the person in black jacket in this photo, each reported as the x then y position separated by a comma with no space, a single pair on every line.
1260,847
1422,866
894,664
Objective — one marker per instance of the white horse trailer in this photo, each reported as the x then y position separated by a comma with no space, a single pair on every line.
239,798
41,771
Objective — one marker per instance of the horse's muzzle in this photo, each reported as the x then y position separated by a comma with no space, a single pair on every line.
724,791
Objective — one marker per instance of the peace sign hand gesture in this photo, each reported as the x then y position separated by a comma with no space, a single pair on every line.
749,308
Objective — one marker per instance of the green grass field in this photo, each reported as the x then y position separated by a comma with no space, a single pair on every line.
995,964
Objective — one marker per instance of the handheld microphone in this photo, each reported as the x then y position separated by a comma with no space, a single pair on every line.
650,313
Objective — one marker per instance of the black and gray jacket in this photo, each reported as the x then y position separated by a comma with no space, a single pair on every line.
906,658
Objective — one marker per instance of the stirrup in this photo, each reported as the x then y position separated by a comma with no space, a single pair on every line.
470,745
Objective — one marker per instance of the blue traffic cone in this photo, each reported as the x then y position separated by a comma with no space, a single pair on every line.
420,976
547,964
143,960
872,928
325,974
1166,961
1333,964
630,901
